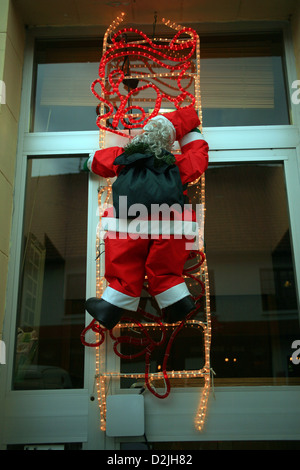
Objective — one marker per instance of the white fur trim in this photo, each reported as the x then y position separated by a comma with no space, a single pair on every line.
172,295
90,161
190,137
121,300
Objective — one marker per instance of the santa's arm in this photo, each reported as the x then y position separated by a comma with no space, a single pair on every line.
193,160
101,162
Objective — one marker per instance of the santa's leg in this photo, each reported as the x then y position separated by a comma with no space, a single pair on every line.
164,268
125,273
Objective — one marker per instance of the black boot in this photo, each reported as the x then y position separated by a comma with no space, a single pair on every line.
179,310
108,315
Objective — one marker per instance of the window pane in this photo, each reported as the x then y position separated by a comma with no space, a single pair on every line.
242,82
255,316
51,311
65,71
254,311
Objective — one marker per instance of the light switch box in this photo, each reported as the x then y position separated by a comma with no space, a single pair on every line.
125,415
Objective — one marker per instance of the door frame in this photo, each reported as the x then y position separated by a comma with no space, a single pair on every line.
60,416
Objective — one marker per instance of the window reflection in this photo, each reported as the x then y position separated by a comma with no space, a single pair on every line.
254,306
52,279
254,310
64,101
242,83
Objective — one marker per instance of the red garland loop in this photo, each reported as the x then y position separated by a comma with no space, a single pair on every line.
147,342
96,328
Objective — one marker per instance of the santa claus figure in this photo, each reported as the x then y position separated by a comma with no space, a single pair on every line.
150,179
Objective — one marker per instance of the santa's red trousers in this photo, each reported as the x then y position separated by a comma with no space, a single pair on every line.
128,260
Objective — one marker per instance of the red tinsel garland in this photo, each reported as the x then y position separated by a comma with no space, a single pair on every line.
147,342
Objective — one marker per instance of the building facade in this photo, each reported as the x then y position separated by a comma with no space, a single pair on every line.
250,87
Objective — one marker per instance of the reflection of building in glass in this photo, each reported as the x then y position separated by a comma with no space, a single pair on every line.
53,278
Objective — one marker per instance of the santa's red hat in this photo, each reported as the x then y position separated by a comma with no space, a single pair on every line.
180,122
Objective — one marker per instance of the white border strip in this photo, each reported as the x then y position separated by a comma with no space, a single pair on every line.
190,137
120,300
172,295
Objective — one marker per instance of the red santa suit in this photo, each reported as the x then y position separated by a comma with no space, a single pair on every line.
130,254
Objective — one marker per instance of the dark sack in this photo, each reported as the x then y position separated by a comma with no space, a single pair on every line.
146,180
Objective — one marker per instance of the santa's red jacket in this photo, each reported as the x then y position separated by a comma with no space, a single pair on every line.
129,258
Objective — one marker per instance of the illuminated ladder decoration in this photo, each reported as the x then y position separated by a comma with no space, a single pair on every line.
111,53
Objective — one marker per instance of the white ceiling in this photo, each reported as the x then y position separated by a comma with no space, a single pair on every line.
103,12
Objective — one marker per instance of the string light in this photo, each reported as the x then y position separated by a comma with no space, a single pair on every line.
180,60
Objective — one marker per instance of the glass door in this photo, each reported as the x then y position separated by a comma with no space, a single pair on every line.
43,395
252,282
255,315
249,237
